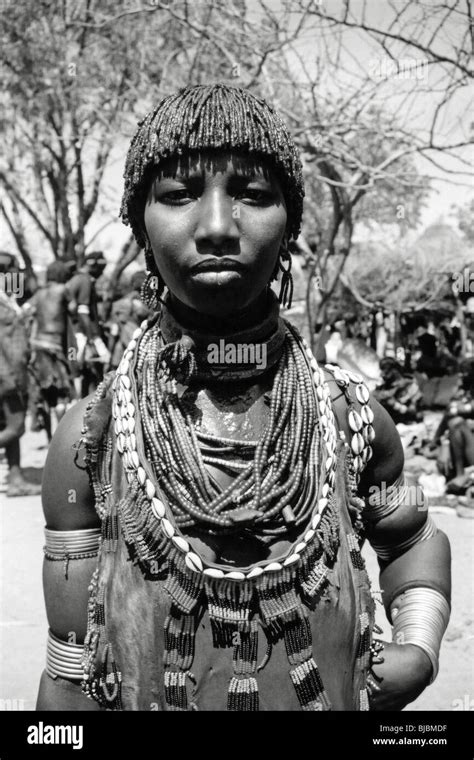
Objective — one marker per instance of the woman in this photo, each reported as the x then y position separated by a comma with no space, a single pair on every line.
226,468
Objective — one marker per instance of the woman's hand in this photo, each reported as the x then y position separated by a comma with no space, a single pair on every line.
404,674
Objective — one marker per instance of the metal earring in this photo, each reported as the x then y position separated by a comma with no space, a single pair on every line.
151,290
284,266
153,286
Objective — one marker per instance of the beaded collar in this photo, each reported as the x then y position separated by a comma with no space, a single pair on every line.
139,474
232,356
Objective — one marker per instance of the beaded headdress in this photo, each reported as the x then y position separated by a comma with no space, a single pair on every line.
207,117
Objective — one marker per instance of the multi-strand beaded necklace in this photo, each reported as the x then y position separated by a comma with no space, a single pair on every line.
289,482
282,472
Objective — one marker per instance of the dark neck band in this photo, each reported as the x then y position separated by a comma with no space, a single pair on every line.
239,355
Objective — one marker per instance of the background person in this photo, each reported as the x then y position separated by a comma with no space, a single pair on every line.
83,308
14,354
49,365
126,314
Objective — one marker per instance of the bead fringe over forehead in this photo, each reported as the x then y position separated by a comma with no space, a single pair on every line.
208,117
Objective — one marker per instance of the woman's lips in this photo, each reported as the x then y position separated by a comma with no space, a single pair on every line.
217,271
217,265
217,277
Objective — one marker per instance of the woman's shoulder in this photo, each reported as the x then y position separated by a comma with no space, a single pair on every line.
387,458
68,500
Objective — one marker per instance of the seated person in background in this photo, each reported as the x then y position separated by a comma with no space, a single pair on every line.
435,360
456,429
399,393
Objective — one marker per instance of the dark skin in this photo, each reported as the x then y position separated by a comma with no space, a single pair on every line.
50,311
95,270
229,217
190,216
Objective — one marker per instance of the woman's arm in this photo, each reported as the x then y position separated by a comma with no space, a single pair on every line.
72,530
414,557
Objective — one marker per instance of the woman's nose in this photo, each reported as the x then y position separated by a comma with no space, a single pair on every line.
217,220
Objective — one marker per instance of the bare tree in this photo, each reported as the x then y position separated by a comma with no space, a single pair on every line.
79,74
374,95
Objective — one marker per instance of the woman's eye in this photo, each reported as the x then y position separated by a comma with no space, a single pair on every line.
254,196
177,197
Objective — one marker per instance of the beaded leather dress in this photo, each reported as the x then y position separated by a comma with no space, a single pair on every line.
169,629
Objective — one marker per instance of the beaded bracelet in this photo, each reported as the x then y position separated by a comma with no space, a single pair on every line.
66,558
376,649
421,616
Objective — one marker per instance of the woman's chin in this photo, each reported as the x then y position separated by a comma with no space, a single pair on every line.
220,296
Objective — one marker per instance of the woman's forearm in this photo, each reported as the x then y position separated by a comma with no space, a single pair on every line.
60,694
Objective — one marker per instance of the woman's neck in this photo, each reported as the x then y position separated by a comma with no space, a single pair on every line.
246,318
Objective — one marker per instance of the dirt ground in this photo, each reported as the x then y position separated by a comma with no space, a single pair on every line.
454,686
23,623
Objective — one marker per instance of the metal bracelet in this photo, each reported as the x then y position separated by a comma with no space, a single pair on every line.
72,541
420,616
388,552
64,660
66,545
384,500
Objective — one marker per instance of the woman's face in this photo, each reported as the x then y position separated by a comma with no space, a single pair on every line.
215,222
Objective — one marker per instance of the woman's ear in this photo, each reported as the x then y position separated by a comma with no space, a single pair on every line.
150,262
154,285
282,253
284,245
